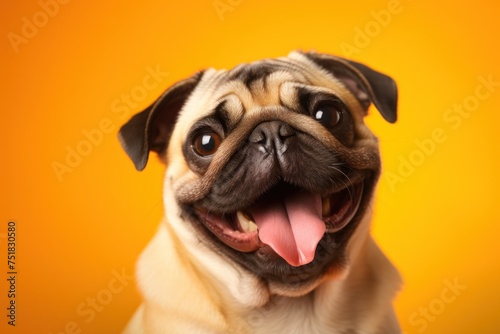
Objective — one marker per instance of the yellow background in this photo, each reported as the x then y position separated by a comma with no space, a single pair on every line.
440,223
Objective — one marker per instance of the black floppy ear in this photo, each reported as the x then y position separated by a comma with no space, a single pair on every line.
369,86
150,129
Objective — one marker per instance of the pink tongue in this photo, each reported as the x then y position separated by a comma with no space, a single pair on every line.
291,226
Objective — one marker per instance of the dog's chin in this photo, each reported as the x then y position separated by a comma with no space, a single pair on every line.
236,234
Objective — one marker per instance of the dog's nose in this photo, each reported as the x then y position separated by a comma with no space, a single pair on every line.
272,136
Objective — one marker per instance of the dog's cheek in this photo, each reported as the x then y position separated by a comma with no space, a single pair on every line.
176,169
362,132
174,160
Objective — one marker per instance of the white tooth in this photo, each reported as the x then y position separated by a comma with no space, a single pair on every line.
326,206
243,221
246,224
252,227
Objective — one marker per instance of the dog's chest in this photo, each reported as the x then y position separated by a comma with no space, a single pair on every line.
290,315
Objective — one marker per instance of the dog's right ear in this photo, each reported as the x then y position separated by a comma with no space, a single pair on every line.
150,129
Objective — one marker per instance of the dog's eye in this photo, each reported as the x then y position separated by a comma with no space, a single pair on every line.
328,114
206,143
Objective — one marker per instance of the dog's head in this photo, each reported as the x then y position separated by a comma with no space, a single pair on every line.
270,163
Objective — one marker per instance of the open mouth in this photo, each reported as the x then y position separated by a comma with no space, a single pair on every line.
288,219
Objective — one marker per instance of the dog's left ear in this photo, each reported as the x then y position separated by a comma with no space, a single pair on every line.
369,86
150,129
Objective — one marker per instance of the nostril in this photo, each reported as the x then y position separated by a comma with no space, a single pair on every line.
286,130
258,137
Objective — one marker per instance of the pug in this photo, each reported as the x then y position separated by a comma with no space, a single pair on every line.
268,195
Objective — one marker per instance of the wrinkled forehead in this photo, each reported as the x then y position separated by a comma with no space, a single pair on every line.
247,88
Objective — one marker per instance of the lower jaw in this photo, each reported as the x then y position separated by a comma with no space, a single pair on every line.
330,261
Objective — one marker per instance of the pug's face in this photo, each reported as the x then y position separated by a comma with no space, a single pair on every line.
270,163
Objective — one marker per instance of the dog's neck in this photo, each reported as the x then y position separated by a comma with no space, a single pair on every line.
198,275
